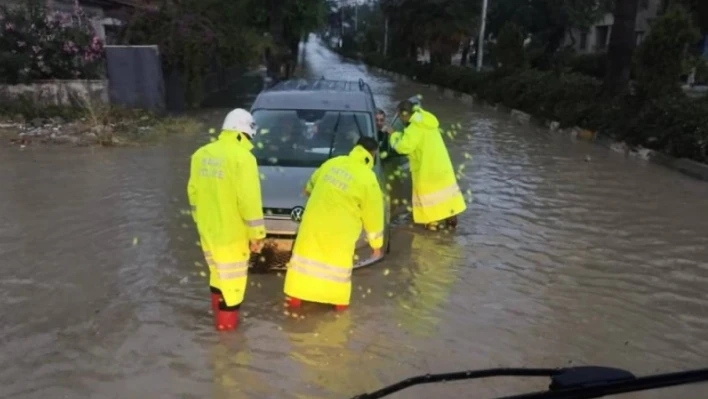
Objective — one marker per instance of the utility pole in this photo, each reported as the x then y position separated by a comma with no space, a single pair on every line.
385,46
341,26
480,46
356,16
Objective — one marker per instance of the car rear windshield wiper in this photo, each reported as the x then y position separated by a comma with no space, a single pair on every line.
358,127
334,134
566,383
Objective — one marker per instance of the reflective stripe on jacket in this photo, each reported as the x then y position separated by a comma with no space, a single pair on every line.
436,195
225,195
345,195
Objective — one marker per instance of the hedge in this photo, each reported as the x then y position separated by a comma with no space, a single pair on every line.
675,125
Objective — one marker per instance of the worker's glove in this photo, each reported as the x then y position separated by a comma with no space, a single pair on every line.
256,246
376,253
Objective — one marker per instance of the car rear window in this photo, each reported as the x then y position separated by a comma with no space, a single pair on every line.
307,138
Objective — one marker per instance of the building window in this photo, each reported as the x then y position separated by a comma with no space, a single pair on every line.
638,37
602,33
584,40
112,33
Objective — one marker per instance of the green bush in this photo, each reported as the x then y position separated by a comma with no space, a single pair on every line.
594,65
673,124
35,45
660,58
509,49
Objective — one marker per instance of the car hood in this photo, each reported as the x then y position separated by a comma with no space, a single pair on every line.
281,187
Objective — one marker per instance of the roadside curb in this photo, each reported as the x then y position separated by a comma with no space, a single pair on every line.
683,165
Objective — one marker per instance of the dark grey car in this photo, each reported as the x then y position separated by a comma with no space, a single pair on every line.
302,124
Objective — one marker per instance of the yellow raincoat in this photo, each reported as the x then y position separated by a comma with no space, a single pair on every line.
436,195
224,192
344,194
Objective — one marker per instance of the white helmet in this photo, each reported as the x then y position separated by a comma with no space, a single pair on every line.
240,120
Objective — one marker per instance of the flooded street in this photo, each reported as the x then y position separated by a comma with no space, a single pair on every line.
557,262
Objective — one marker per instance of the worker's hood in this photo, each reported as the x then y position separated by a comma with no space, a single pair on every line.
238,137
360,154
425,119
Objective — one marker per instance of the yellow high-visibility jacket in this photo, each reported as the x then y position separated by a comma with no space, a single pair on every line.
436,195
224,192
344,195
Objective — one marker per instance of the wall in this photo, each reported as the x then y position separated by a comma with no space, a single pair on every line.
57,92
135,76
648,10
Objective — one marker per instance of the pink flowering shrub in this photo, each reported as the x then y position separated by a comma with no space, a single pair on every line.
37,45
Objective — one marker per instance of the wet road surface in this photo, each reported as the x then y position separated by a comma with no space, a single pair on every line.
557,262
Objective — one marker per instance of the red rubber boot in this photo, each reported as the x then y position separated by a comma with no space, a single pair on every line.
293,303
215,298
226,320
341,308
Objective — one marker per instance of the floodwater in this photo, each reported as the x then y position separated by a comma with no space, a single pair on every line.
558,261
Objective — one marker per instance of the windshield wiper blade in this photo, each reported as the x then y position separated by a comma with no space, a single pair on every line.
601,388
567,383
455,376
358,127
334,134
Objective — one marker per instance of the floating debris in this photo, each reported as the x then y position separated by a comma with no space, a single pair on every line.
386,272
135,240
202,274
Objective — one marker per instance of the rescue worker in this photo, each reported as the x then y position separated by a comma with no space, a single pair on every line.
225,195
344,193
437,199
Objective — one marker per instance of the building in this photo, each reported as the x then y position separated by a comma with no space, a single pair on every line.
107,16
597,38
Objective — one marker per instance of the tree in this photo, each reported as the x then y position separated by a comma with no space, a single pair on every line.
546,21
510,47
661,54
439,25
697,8
621,48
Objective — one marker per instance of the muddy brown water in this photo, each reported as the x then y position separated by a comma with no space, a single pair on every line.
557,262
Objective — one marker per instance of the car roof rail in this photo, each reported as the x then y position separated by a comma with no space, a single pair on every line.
363,86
